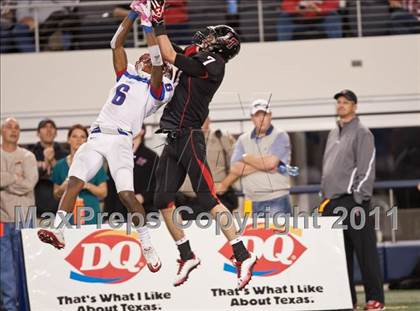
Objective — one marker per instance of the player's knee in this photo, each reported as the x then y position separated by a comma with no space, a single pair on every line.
210,204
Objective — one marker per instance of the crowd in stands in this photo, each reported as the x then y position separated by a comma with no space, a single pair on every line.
64,27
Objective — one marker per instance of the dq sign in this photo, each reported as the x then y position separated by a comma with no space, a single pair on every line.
276,252
106,256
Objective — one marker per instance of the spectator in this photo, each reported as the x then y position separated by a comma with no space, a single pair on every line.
257,158
47,152
297,16
176,19
94,191
50,19
7,21
402,21
374,17
98,24
219,152
215,13
347,181
145,161
232,16
412,6
18,178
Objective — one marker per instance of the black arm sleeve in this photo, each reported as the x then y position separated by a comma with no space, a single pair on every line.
177,48
190,66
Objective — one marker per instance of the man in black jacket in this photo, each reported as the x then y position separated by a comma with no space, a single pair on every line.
47,153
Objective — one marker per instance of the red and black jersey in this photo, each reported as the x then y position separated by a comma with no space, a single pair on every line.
198,79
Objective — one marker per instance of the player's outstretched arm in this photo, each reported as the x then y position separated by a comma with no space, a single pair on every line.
188,65
143,9
157,18
156,58
119,55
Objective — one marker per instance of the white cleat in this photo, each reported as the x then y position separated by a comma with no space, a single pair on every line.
244,270
153,262
53,237
184,269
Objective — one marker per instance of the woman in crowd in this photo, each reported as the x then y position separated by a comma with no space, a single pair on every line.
94,190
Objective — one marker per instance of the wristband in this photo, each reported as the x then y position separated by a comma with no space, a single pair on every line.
155,55
132,15
160,29
147,29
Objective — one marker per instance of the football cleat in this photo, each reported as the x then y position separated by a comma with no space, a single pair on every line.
184,269
244,270
153,262
374,305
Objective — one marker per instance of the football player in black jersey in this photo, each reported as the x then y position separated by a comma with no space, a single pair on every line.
201,68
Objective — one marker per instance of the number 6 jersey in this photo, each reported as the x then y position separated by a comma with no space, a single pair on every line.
131,100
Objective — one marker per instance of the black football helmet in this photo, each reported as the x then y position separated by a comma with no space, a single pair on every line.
221,39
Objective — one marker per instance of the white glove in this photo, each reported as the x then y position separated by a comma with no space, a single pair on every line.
143,8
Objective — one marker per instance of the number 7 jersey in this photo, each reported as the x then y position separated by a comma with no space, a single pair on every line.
131,100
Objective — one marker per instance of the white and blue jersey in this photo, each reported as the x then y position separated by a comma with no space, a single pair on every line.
131,100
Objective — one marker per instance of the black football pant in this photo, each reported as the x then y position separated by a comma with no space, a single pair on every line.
363,242
184,153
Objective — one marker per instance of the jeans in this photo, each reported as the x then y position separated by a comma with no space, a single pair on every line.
9,260
330,25
278,205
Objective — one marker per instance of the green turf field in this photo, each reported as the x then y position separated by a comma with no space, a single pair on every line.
397,300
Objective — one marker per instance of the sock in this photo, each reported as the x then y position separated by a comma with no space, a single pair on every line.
145,239
58,219
184,249
239,250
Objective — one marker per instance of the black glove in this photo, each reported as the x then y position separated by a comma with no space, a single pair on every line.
158,9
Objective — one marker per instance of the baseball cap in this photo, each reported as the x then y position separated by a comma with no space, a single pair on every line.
260,105
44,122
347,94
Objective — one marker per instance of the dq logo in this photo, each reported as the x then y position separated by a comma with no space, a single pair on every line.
276,252
106,256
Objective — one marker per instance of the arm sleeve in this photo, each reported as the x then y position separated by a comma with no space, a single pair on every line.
120,73
6,179
191,66
237,153
27,184
177,48
365,170
281,148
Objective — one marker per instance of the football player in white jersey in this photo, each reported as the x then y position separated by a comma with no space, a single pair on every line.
140,90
